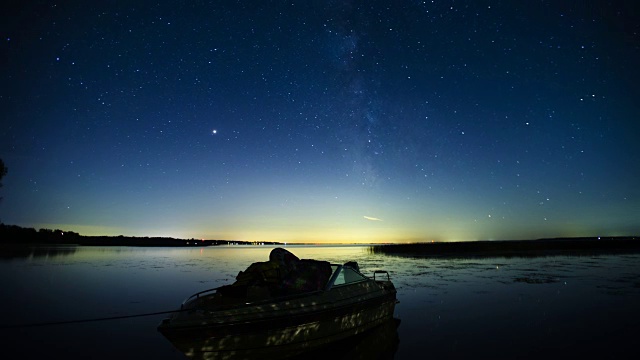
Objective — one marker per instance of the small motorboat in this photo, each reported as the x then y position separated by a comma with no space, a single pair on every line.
281,308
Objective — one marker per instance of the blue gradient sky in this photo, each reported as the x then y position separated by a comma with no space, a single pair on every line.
323,121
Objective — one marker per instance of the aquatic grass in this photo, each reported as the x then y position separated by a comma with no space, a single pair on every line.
514,248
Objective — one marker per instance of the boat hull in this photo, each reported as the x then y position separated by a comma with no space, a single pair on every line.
281,329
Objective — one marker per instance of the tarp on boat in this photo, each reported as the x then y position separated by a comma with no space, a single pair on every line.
283,274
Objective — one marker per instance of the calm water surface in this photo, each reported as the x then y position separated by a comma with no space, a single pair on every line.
449,308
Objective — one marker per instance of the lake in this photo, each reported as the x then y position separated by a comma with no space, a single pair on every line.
449,308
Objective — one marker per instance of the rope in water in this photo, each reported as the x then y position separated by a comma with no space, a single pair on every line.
51,323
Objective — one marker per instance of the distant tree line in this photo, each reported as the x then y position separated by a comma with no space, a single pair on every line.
13,234
16,235
10,234
514,248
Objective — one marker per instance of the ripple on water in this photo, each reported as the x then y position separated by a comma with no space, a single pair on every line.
536,278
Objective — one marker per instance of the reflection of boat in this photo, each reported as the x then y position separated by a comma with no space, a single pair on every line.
272,315
380,343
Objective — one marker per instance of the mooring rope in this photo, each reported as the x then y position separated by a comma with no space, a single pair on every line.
51,323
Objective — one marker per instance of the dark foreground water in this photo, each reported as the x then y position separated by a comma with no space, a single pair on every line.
499,308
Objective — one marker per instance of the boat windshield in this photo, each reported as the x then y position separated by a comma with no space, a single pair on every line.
345,275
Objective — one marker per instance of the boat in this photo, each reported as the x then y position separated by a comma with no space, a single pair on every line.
281,308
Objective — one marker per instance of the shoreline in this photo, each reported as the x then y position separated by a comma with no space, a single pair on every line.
12,236
514,248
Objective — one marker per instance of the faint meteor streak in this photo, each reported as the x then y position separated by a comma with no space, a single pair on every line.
372,218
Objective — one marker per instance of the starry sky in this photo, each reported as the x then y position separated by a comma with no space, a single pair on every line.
322,121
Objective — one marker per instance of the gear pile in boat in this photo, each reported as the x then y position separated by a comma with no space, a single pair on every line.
284,274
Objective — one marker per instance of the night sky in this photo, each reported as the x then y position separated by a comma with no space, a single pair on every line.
322,121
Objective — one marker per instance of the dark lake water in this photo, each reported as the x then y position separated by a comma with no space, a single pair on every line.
551,307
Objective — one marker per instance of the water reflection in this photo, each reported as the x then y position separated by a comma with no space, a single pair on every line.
8,252
379,343
519,307
551,307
